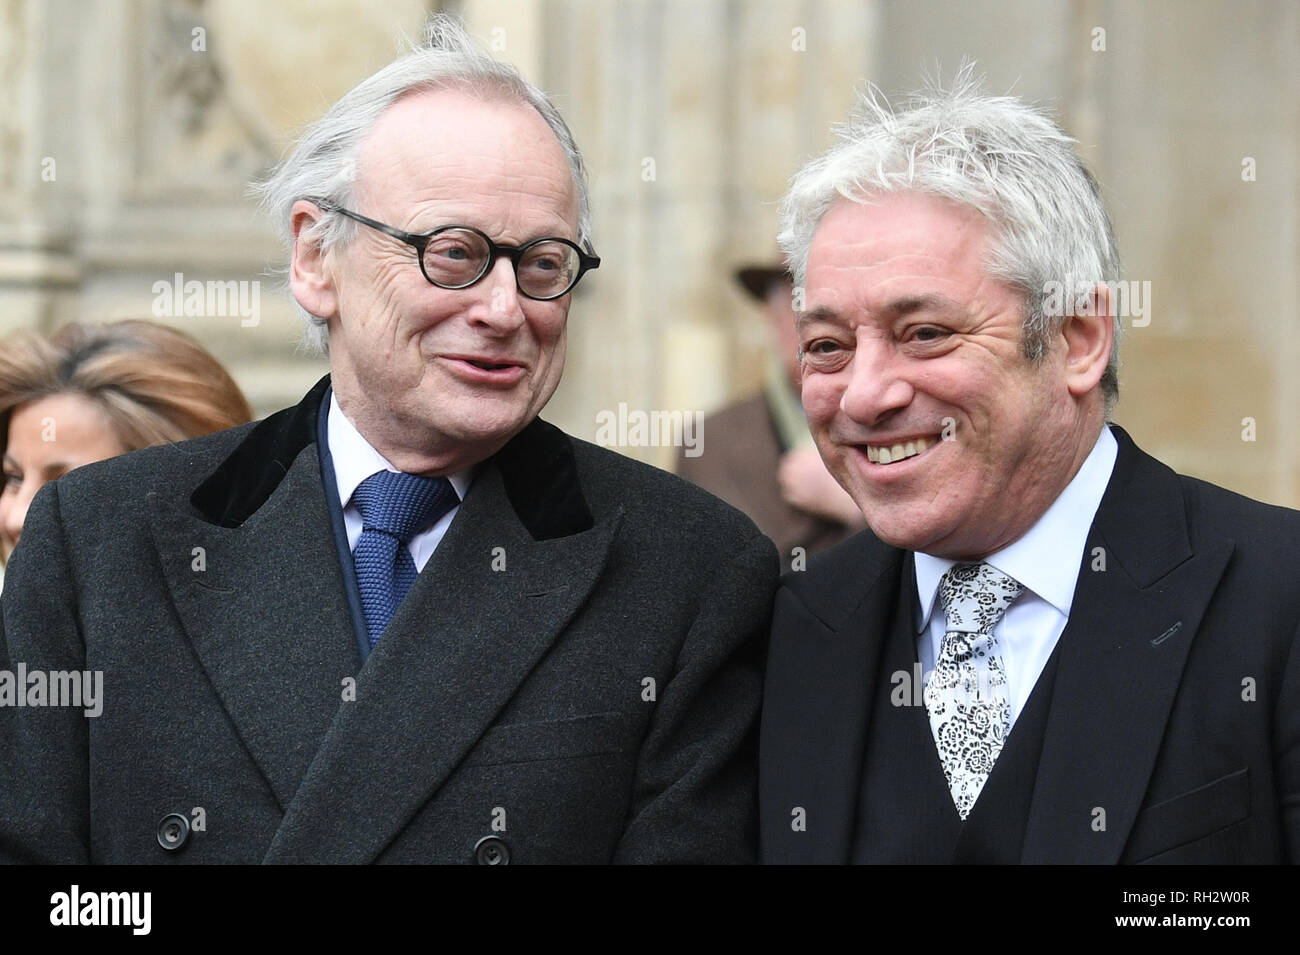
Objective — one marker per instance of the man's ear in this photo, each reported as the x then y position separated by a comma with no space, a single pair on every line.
1088,335
310,277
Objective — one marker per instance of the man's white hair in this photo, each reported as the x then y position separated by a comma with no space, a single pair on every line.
996,154
323,163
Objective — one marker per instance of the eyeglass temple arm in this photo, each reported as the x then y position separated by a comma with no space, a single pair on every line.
326,205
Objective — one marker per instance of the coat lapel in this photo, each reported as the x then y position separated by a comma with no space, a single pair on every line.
253,571
455,653
1121,658
822,680
262,602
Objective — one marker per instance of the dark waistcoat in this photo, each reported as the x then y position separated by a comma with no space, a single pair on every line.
905,811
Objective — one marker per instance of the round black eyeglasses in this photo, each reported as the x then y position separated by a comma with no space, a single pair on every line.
457,256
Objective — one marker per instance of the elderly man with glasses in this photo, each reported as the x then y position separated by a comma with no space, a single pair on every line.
406,620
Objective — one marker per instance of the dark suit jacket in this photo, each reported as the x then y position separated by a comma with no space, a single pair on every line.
1176,706
738,463
592,699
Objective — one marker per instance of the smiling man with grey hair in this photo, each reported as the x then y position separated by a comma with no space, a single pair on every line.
1047,646
406,620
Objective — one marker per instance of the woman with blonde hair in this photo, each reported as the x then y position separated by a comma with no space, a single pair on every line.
90,392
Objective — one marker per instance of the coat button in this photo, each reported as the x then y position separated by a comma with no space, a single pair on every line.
173,831
491,850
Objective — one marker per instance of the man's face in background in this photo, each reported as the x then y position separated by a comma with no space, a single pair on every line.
778,309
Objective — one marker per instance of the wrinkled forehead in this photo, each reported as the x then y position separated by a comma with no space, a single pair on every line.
894,238
457,142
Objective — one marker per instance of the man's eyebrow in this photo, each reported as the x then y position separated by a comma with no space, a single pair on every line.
895,308
822,313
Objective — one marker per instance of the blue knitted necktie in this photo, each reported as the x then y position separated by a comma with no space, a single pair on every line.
394,507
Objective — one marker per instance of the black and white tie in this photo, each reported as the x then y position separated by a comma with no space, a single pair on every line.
966,693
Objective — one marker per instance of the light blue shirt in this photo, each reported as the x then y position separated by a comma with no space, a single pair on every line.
355,459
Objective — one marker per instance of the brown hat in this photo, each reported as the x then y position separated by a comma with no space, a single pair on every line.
757,280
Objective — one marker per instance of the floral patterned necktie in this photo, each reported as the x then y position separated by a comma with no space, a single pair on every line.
966,693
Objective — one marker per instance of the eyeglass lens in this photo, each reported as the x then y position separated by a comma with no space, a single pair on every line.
459,257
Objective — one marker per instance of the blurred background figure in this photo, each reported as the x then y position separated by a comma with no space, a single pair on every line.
90,392
757,453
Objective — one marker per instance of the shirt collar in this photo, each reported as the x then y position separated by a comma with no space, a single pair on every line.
355,458
1047,557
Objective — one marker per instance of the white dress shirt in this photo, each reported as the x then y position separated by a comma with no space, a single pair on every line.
1046,560
355,459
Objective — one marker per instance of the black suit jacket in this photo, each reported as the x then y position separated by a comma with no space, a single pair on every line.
1176,707
574,673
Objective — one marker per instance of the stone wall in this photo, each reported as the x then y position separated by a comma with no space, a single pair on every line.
130,129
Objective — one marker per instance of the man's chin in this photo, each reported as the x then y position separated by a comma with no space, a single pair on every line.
485,434
906,532
477,424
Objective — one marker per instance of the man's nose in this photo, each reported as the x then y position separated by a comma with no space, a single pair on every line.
501,308
877,386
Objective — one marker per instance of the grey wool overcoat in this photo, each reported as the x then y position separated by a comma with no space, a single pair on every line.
574,676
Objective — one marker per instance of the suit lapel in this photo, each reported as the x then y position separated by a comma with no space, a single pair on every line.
465,638
1121,658
263,608
822,681
253,571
